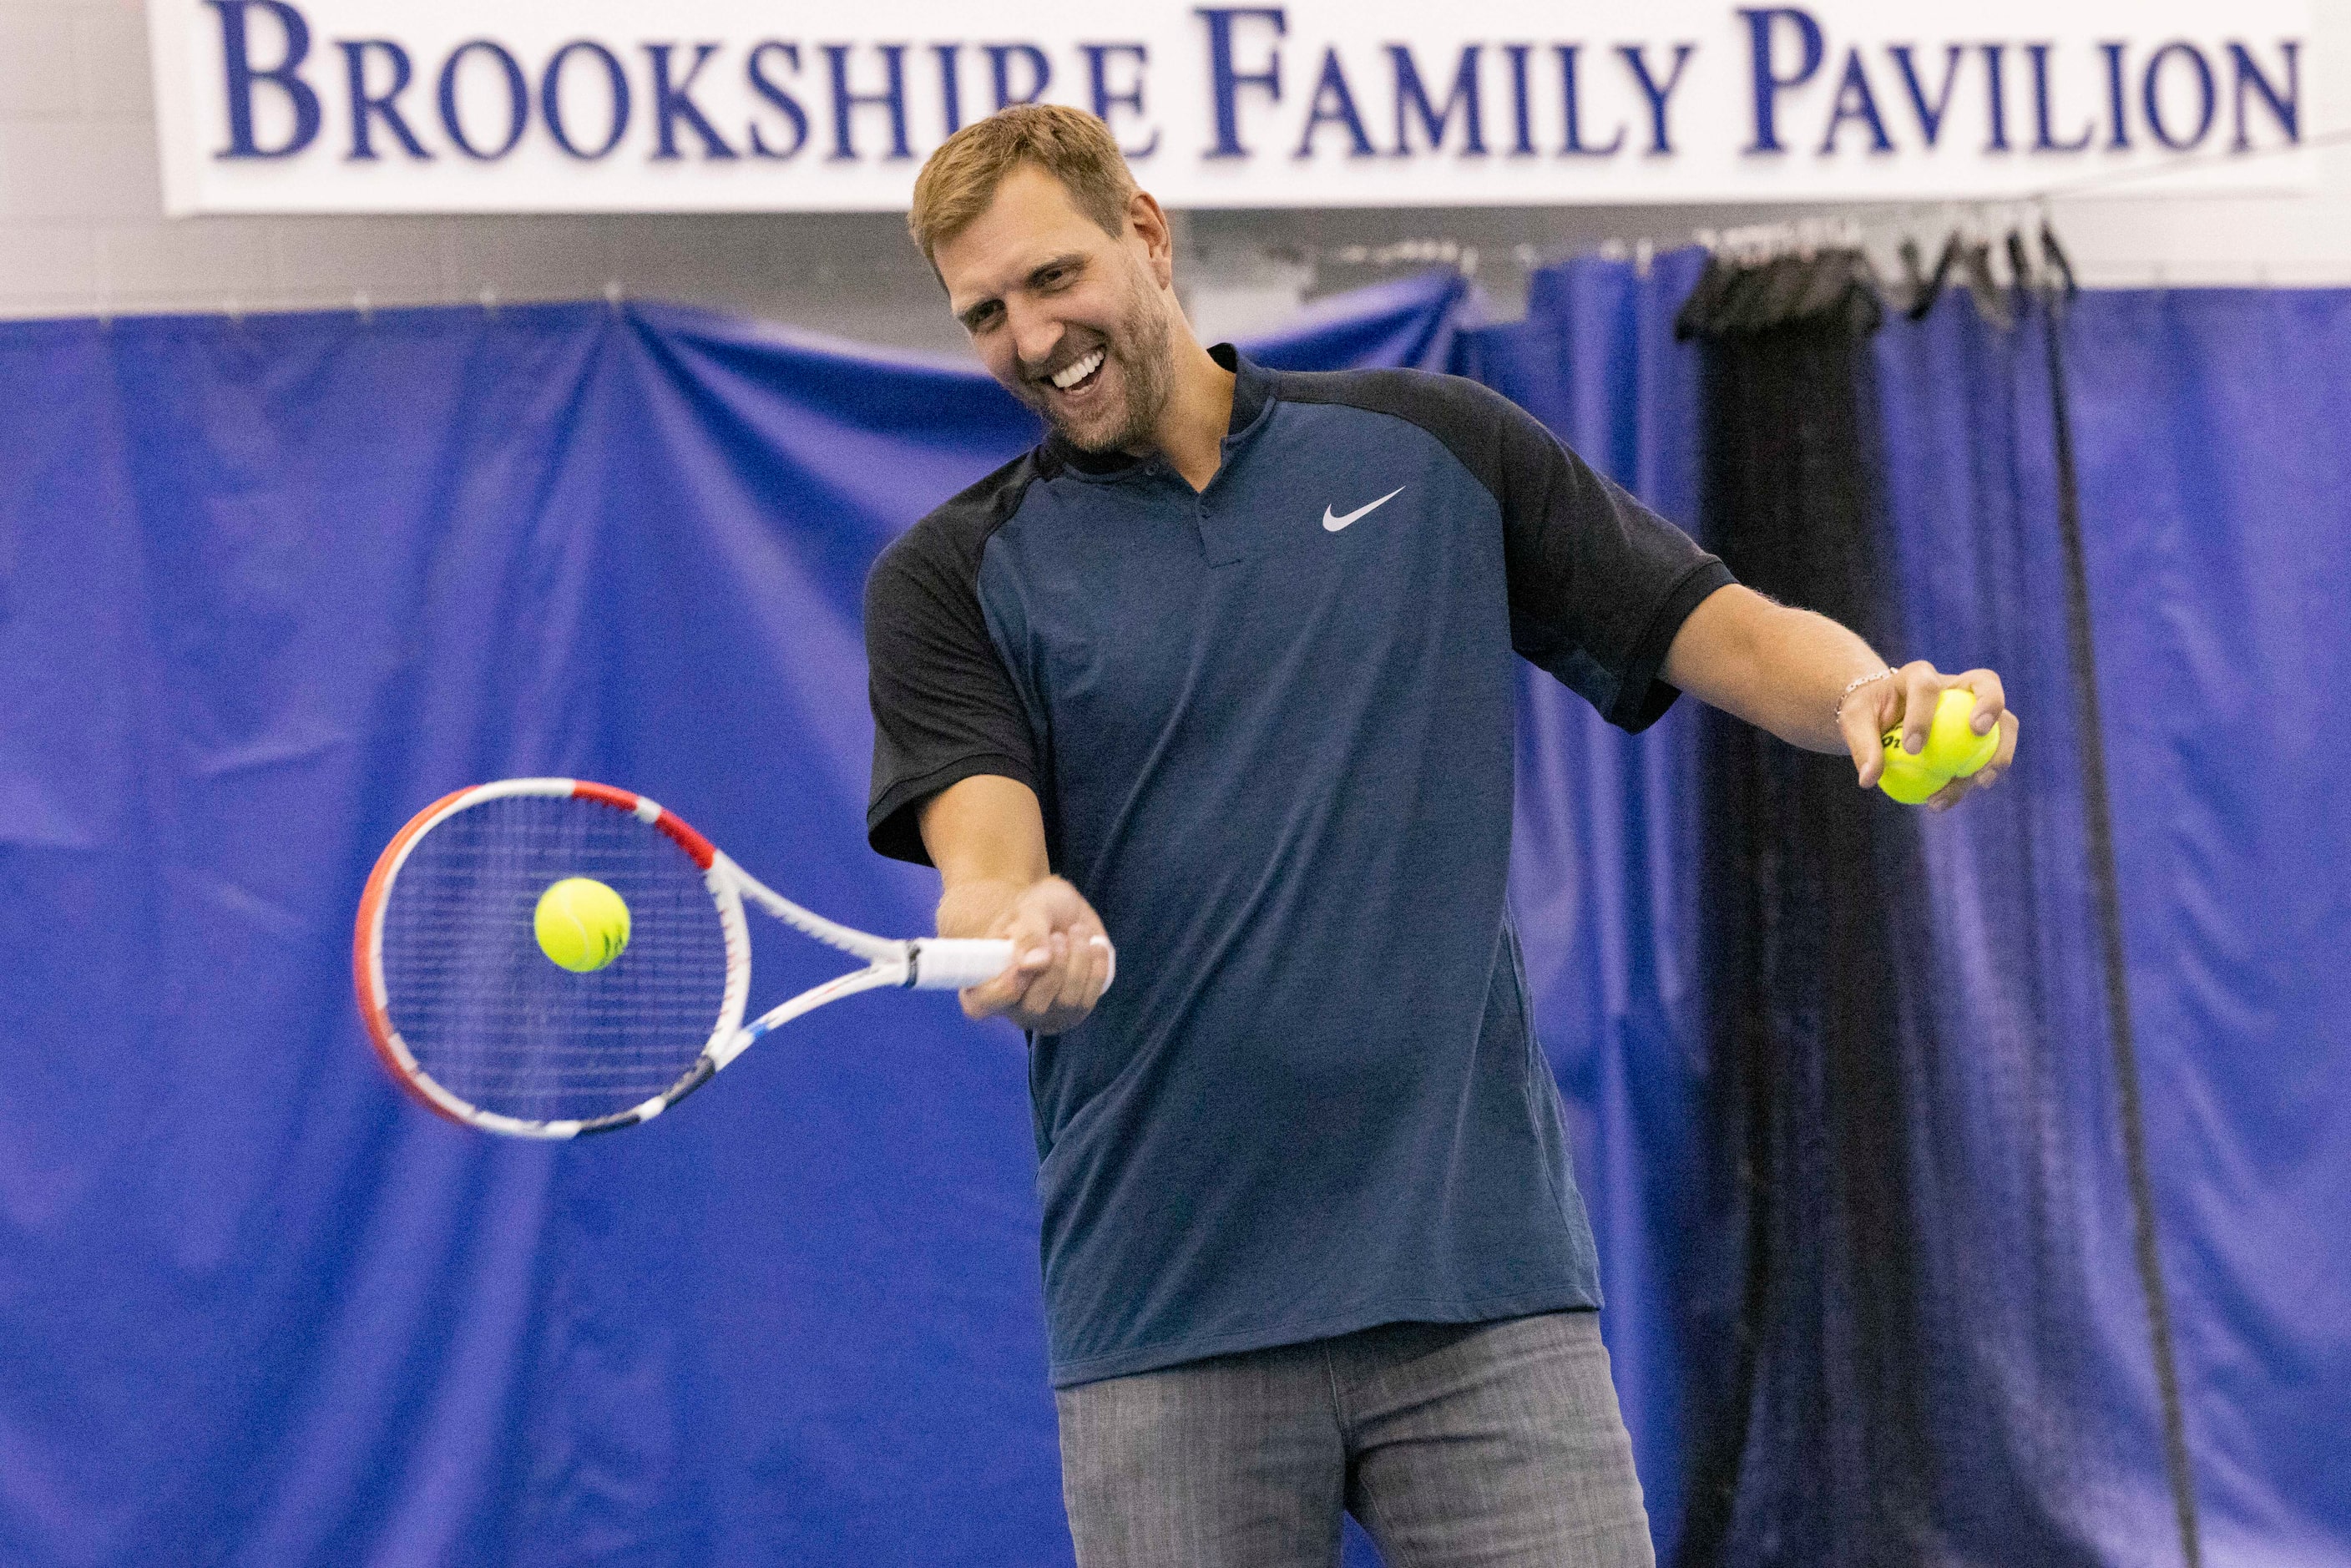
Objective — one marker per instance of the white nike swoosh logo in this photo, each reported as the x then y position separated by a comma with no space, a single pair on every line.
1334,523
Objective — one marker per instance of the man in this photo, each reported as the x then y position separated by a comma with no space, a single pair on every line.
1230,653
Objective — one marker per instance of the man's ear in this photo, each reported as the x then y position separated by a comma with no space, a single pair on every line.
1149,223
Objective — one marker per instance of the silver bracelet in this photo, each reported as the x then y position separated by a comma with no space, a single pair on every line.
1838,717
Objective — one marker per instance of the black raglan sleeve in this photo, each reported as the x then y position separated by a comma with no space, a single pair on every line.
1598,583
943,706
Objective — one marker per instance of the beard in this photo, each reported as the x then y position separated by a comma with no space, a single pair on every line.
1136,345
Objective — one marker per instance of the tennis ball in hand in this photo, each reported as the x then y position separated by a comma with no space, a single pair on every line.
1907,778
1953,747
581,924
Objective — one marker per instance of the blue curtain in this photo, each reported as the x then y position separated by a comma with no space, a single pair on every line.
2216,493
2212,467
266,586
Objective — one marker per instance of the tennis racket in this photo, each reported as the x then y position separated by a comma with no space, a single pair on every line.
476,1021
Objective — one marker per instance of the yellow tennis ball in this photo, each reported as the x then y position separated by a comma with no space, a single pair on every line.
1907,778
581,924
1953,747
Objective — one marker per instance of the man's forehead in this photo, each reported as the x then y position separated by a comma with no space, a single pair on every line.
1029,222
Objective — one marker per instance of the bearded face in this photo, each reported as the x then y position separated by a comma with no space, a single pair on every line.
1071,319
1104,386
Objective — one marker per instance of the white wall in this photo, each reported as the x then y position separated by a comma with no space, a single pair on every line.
80,230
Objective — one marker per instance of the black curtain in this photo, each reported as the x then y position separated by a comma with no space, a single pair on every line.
1845,1416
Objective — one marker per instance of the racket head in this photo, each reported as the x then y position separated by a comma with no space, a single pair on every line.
475,1021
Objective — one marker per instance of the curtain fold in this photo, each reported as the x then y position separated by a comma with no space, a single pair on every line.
1909,1371
2200,420
1973,492
1809,955
2209,430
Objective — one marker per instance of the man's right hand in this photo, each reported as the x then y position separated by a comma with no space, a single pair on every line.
987,836
1062,961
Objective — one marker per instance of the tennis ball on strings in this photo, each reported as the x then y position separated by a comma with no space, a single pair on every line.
1953,747
1907,778
581,924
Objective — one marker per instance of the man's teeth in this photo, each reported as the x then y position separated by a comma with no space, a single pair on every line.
1072,374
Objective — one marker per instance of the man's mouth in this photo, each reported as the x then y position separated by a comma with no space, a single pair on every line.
1077,373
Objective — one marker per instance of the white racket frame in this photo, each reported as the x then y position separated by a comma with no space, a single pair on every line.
924,962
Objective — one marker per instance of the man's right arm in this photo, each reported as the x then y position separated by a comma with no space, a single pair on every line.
987,836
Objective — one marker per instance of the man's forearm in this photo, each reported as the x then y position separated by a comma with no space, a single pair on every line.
987,836
1817,658
1780,669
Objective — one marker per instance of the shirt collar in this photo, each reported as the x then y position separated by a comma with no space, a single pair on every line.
1252,388
1252,393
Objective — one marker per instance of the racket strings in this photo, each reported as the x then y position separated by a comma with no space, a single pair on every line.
491,1018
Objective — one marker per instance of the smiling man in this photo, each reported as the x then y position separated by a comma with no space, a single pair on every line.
1224,667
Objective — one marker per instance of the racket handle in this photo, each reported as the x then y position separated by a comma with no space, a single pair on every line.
952,963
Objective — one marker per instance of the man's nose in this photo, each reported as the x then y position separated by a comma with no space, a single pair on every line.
1035,334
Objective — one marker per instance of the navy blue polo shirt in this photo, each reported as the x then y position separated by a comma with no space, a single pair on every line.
1270,725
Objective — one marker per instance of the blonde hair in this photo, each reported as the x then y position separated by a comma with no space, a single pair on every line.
960,179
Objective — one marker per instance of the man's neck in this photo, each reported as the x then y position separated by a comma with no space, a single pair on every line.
1199,411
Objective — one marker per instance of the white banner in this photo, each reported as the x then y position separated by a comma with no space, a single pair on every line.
409,106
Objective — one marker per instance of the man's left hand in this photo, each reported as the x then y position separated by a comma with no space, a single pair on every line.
1906,701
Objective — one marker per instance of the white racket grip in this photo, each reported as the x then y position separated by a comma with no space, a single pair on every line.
952,963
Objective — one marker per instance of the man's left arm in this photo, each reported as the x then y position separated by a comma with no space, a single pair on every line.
1813,684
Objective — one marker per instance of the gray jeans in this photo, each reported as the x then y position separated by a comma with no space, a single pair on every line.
1455,1445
